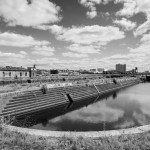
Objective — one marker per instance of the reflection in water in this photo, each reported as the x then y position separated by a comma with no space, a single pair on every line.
114,95
126,108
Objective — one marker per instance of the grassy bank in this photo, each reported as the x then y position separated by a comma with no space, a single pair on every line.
16,141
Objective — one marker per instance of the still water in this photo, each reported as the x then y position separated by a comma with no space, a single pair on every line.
125,108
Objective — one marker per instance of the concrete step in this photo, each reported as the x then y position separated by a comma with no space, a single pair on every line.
27,111
84,89
33,94
22,106
35,97
78,93
38,99
75,99
35,105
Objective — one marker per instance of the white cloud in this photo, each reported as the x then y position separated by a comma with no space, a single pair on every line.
91,4
74,55
23,53
96,113
80,35
146,37
43,62
141,118
43,50
132,7
136,57
55,29
129,8
127,123
143,6
99,35
143,28
91,14
14,55
85,39
84,49
126,24
19,12
18,40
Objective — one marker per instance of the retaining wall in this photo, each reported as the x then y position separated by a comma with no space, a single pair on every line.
28,102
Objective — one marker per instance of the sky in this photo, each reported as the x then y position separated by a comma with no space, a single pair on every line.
75,34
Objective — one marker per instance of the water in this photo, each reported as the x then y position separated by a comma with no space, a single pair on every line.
125,108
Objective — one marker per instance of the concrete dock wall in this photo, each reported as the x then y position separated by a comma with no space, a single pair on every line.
29,102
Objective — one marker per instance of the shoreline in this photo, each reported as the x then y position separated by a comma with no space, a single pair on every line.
89,134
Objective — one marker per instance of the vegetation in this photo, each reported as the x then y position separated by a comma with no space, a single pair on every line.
10,140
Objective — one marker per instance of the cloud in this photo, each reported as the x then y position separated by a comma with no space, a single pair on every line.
79,38
129,8
126,24
143,28
136,57
80,35
91,5
91,14
20,12
55,29
43,51
141,118
127,123
42,62
95,113
143,6
132,7
84,49
74,55
18,40
146,37
22,54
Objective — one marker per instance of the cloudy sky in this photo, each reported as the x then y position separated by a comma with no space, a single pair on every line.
75,34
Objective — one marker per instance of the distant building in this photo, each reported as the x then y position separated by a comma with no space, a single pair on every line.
63,72
100,70
32,71
42,72
97,70
60,71
93,70
13,72
146,72
121,68
133,71
54,71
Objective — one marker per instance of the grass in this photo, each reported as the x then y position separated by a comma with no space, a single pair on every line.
10,140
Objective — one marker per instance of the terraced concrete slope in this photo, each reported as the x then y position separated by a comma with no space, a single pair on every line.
32,101
29,102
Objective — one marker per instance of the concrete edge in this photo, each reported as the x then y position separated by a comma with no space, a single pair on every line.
89,134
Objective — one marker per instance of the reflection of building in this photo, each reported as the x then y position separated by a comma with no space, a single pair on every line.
97,70
13,72
121,68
